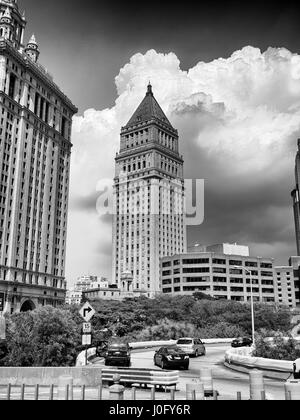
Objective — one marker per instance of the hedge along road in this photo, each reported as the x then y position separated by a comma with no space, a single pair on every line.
226,381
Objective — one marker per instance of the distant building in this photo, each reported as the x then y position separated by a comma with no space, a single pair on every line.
225,248
217,274
35,154
296,199
73,297
288,283
126,290
84,284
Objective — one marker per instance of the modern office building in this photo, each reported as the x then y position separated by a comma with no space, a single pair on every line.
35,149
296,199
287,285
149,216
219,275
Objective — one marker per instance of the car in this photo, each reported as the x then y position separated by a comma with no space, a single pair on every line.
171,357
118,354
192,346
242,342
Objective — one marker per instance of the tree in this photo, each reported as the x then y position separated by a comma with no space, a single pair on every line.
44,337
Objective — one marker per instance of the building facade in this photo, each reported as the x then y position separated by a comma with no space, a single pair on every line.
126,290
35,149
288,283
296,199
149,211
73,296
219,275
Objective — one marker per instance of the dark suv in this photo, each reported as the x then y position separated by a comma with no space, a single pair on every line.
242,342
118,354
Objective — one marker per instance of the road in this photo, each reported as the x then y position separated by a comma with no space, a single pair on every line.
226,381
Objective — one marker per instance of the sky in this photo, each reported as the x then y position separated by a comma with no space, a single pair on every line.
227,74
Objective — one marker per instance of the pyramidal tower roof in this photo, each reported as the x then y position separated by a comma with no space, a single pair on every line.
149,109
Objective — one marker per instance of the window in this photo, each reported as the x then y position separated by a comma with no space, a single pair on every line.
218,261
12,85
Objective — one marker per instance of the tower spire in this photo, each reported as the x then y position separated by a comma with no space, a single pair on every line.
149,89
32,49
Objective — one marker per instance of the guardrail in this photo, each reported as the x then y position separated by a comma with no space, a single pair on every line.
142,377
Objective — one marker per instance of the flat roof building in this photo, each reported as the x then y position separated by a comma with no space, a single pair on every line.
218,275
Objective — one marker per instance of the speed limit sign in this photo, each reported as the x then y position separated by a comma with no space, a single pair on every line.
86,328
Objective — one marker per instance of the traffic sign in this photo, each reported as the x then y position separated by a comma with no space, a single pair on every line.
87,312
86,328
2,301
86,339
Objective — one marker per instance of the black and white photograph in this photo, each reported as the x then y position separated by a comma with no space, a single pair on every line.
149,203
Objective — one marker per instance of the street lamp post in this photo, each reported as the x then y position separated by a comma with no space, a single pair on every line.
252,302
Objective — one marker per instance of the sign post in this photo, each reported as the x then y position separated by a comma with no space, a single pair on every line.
2,328
2,302
2,318
87,312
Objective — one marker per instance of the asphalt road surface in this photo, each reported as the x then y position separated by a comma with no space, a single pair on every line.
226,381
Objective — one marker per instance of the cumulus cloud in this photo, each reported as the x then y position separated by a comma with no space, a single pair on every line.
238,120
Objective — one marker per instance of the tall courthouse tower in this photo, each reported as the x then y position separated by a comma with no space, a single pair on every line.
296,199
35,148
149,219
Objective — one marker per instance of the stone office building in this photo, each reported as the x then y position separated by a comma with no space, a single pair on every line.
149,219
35,149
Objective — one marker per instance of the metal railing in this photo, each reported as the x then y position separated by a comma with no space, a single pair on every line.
65,390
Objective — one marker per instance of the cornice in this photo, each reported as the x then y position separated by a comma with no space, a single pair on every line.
127,153
38,71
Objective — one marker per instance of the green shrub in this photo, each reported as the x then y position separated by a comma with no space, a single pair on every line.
44,337
280,348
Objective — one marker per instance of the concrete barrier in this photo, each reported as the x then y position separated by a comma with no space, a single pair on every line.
89,376
240,359
151,344
81,358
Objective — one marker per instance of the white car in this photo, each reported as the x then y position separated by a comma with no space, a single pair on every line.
192,346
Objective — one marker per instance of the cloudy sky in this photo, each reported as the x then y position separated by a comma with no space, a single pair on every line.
227,75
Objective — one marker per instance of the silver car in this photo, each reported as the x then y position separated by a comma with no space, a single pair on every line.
192,346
